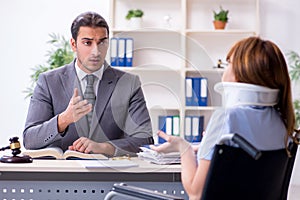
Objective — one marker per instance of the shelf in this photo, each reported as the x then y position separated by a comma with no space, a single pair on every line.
189,46
187,31
242,15
146,30
159,109
154,13
217,32
148,68
201,108
149,49
205,70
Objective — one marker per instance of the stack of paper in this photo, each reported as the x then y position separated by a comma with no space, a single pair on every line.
159,158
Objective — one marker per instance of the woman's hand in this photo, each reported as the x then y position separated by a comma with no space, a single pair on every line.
172,144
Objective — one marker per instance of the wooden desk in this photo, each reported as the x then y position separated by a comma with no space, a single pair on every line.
69,179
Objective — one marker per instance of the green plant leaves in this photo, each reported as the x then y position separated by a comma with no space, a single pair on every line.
134,13
222,15
294,65
59,55
294,71
297,112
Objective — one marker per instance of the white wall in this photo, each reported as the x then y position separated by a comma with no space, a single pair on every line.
25,26
278,23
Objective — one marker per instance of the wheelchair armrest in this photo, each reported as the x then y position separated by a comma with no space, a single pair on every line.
243,144
142,193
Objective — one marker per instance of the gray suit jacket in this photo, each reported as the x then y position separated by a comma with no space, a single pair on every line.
120,114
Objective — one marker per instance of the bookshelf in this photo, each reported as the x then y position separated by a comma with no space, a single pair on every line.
187,46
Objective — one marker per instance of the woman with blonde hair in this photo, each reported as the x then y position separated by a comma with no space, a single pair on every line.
257,104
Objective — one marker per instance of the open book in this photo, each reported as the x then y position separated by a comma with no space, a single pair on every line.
57,153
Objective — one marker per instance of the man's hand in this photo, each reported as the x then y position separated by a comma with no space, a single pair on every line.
86,145
76,109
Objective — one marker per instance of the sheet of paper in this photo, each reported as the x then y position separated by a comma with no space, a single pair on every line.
93,164
159,158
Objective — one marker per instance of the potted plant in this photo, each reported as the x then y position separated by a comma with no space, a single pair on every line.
59,55
220,18
135,17
294,71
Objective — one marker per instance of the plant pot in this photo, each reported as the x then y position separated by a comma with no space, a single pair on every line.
136,22
219,24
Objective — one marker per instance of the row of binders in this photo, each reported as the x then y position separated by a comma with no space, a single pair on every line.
193,128
196,91
121,52
171,126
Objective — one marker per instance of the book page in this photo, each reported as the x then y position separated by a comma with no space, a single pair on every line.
49,152
69,154
57,153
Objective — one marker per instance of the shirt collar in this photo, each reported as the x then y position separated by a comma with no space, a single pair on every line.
81,74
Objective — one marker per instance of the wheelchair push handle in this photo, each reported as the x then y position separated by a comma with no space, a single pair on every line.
243,144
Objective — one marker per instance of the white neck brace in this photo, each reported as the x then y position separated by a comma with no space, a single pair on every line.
235,94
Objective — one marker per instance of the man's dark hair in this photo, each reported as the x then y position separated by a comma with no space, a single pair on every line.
89,19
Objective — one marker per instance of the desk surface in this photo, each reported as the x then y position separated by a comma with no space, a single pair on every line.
74,181
77,166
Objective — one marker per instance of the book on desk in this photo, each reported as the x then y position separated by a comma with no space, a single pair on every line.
57,153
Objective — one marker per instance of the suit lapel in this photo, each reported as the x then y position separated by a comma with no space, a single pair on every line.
70,81
105,90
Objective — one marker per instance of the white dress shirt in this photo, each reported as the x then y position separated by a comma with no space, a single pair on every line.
82,78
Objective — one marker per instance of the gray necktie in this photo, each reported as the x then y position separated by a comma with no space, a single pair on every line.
89,94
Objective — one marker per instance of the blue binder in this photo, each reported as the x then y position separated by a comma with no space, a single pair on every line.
196,91
121,51
165,125
197,128
194,128
188,128
129,52
176,125
188,91
202,98
114,51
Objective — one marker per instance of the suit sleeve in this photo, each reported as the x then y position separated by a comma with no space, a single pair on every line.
41,123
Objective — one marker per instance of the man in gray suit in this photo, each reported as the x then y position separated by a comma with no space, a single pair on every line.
58,112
